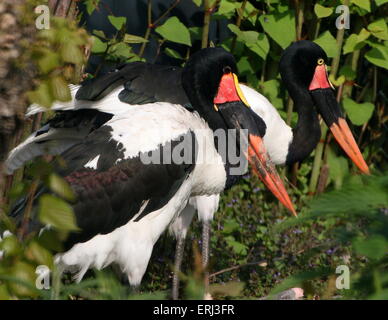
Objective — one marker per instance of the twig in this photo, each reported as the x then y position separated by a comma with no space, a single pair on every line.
238,23
151,25
236,267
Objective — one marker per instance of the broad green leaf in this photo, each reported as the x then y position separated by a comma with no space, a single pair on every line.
91,5
59,89
49,61
10,245
338,168
173,54
358,113
257,42
198,2
328,43
226,9
130,38
280,27
61,187
378,55
99,33
379,29
230,226
231,289
71,53
356,41
57,213
39,254
380,2
98,45
337,82
25,273
117,22
364,4
321,11
261,46
196,33
348,72
374,247
120,50
244,67
271,90
237,247
42,95
175,31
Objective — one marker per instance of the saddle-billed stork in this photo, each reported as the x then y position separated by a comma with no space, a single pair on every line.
303,72
123,204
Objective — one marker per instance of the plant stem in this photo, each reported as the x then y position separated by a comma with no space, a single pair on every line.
206,24
238,24
151,25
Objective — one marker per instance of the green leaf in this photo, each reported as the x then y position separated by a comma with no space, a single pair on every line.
57,213
338,168
60,186
237,247
280,27
99,33
358,113
328,43
130,38
120,51
256,42
348,72
226,9
374,247
364,4
39,254
261,46
198,2
321,11
173,54
59,89
91,5
380,2
117,22
378,56
49,61
356,41
175,31
71,53
231,289
42,95
379,29
271,89
98,45
25,273
230,226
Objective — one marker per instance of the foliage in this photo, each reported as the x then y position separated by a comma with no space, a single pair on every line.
255,245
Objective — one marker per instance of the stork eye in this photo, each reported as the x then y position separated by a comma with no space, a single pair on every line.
320,61
227,70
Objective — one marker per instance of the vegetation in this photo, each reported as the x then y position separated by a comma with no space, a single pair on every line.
257,248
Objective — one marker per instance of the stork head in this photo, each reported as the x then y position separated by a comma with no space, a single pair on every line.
210,82
304,73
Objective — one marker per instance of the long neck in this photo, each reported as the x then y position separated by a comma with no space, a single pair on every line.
307,132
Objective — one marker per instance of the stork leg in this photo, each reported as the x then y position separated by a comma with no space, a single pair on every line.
179,250
205,251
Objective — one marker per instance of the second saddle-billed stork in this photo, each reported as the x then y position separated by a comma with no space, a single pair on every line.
123,204
303,71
